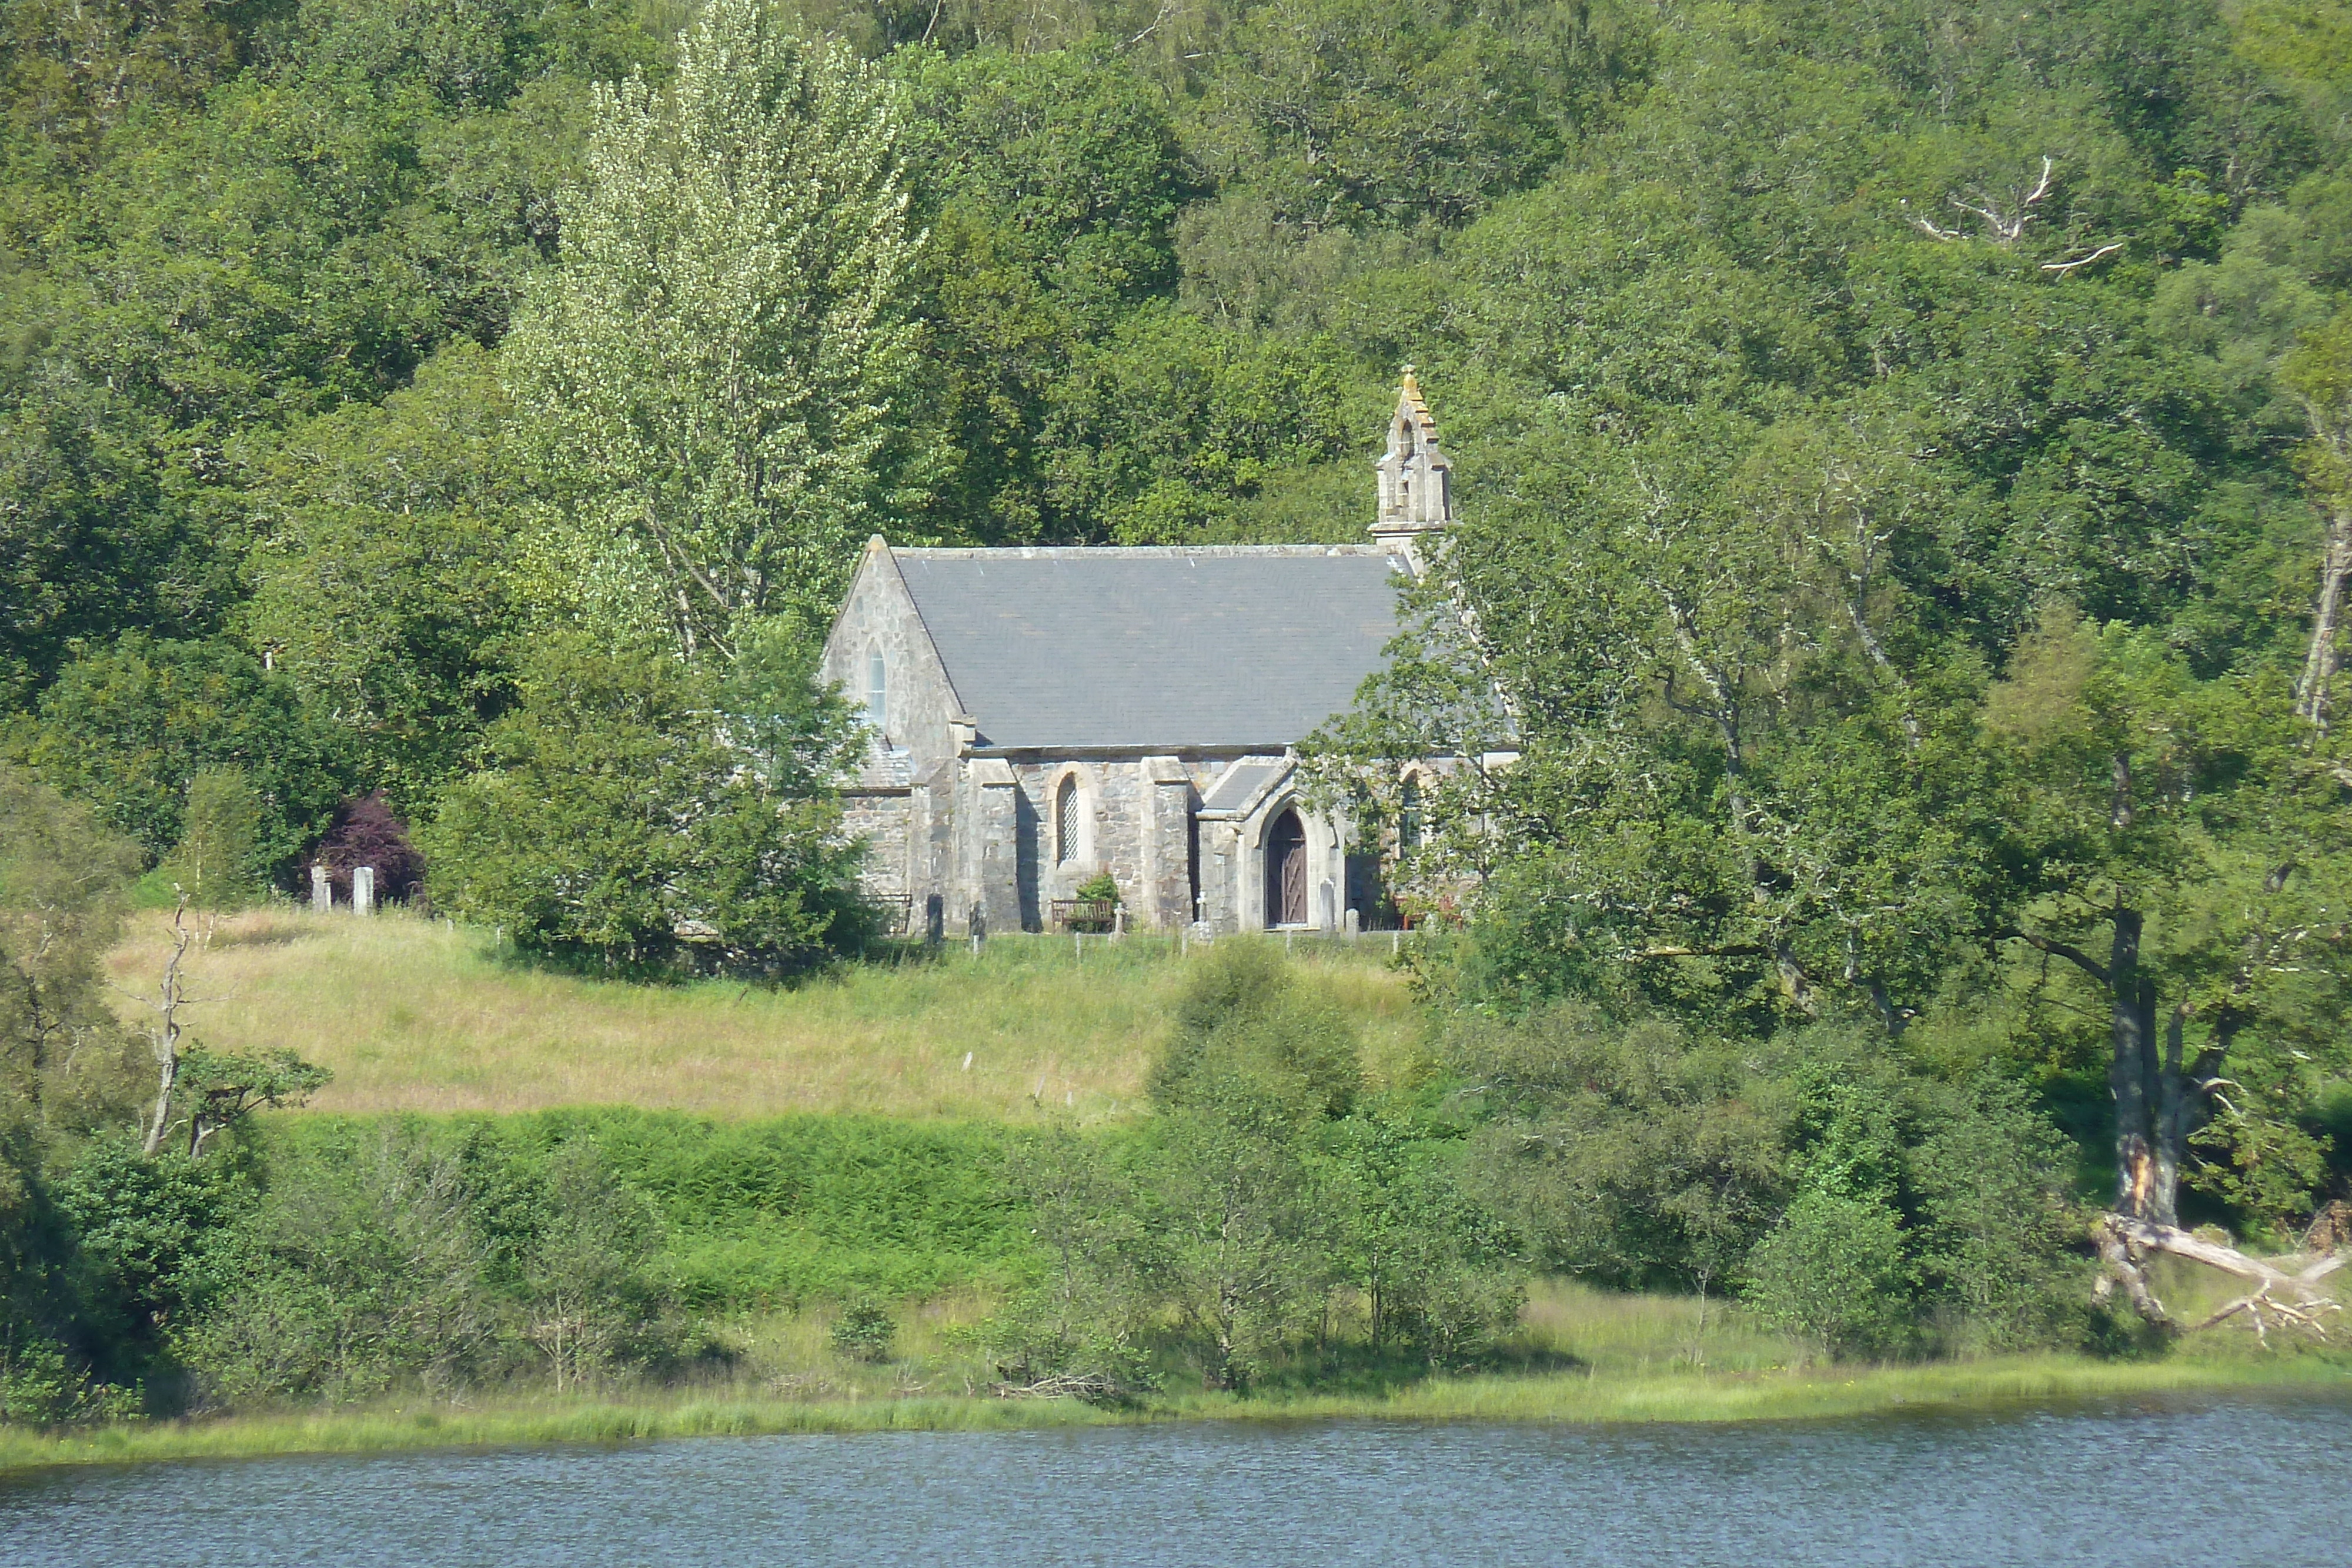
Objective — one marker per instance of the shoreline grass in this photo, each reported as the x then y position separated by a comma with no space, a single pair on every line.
1581,1398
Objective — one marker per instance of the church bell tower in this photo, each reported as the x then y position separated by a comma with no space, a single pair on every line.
1416,481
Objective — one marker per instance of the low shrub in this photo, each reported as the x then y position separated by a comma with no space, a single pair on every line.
863,1332
1834,1273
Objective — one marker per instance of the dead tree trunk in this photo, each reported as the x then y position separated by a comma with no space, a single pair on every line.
2169,1114
2320,661
2145,1087
2157,1101
2293,1301
164,1035
2133,1080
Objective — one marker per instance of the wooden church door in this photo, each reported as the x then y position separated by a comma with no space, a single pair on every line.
1286,871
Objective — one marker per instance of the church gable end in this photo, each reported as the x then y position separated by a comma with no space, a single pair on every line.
882,657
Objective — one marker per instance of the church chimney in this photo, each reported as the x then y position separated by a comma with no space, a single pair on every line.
1416,481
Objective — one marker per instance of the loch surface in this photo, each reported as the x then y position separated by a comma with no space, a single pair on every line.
2205,1483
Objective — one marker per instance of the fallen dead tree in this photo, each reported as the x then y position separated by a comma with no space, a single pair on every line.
1092,1387
2293,1301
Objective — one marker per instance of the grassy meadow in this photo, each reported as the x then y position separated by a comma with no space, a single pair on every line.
416,1015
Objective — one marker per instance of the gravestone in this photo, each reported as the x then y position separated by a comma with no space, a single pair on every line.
364,890
322,890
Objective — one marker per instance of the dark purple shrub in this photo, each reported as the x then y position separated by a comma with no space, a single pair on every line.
365,833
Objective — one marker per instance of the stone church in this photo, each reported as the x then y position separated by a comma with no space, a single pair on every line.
1043,716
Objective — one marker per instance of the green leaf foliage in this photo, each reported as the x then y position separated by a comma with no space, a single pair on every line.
217,864
386,583
129,729
1265,1200
1243,1019
708,372
1835,1272
1861,1201
624,823
67,1070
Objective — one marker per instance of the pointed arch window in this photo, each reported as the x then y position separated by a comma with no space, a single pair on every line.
1409,815
1066,820
1286,871
877,687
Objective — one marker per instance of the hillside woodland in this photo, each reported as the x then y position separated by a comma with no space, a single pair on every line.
1905,457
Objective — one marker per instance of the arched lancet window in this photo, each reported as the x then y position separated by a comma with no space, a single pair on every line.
1409,815
1066,820
877,688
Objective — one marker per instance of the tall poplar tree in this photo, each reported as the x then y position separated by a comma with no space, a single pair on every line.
709,372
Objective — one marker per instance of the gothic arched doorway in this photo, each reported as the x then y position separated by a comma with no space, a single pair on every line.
1286,871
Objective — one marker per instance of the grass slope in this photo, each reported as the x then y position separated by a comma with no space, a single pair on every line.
413,1015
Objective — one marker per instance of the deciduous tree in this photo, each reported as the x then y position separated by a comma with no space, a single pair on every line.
630,820
709,372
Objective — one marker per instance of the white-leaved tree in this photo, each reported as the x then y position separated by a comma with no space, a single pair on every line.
708,372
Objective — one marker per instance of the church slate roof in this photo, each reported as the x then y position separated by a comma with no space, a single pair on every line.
1213,647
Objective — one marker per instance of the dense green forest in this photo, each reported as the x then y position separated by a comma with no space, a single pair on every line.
1903,450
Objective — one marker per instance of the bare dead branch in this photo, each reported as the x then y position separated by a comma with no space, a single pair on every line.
1157,22
2003,227
2041,188
1730,950
1928,226
2100,253
2321,658
164,1036
1092,1387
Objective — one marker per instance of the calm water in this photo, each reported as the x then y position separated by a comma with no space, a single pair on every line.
2260,1482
